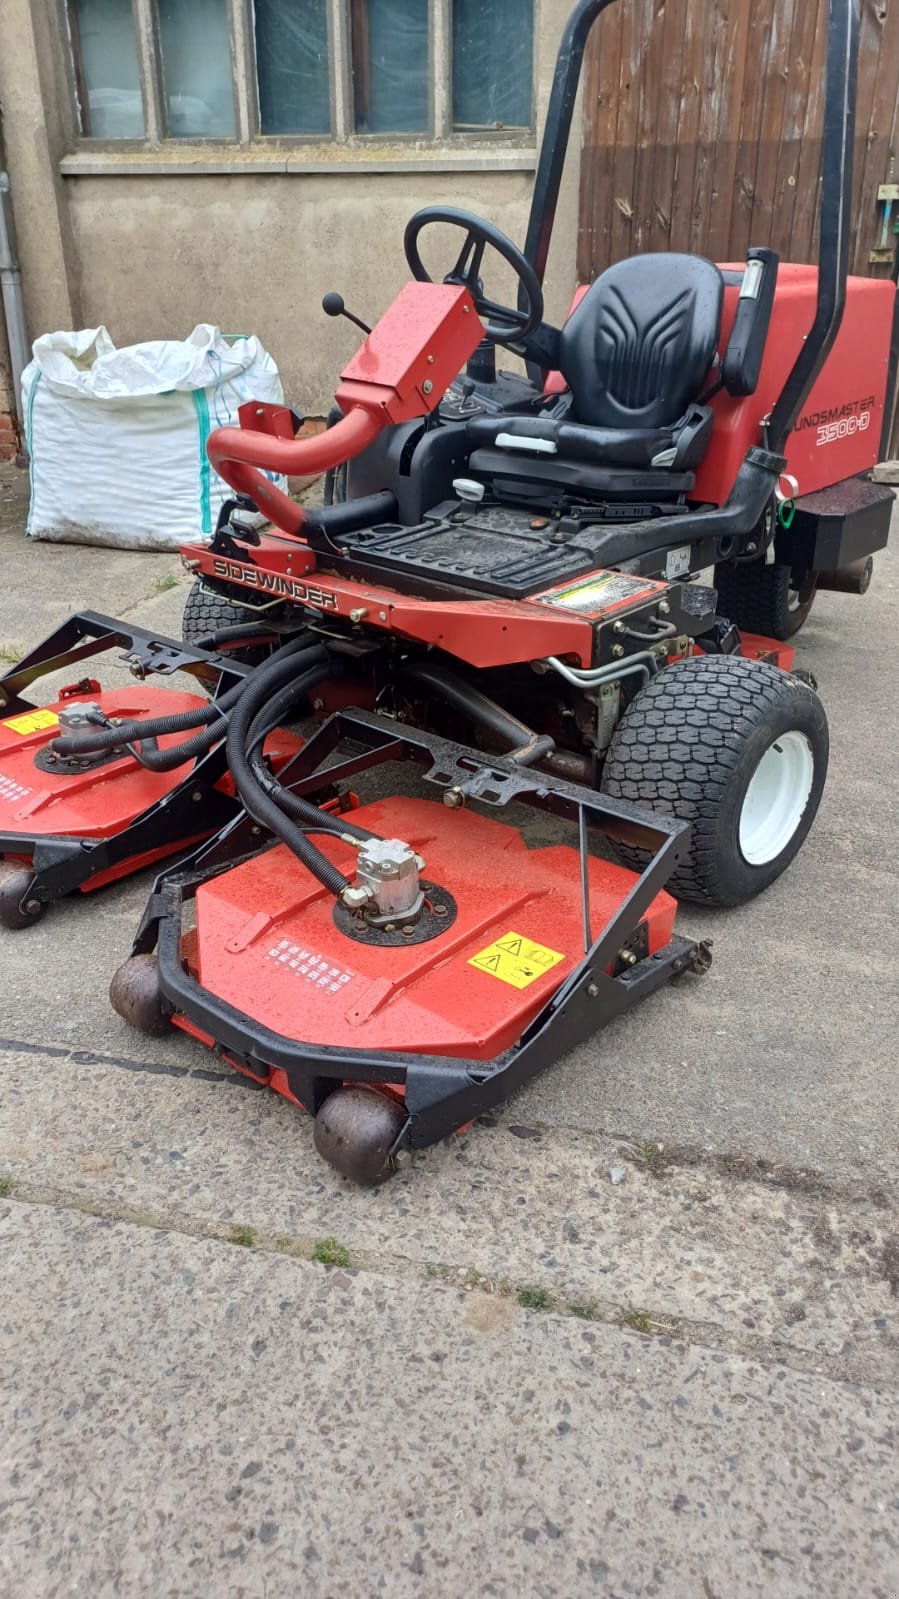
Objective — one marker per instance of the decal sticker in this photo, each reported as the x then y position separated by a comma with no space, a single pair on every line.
10,792
516,960
31,722
286,588
599,592
678,562
312,968
839,421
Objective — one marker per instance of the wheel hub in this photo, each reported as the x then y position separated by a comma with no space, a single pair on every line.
775,801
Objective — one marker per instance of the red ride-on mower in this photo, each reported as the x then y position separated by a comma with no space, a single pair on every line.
505,592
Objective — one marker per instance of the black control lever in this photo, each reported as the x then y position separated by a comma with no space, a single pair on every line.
333,305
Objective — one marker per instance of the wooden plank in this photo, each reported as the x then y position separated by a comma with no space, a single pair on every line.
757,44
803,239
793,125
767,225
875,126
656,159
702,128
719,127
600,130
692,85
621,209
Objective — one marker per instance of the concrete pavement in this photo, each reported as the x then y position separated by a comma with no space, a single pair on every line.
530,1378
207,1419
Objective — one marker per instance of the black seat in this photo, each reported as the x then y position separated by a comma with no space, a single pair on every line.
637,351
636,355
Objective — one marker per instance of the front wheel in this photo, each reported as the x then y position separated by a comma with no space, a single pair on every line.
738,749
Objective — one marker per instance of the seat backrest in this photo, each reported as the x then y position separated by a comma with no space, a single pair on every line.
638,348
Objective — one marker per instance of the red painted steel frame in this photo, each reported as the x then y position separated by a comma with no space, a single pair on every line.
484,632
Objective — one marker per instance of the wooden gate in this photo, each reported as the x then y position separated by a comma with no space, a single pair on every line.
702,130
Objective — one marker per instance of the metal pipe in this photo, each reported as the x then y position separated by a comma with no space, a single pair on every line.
595,676
13,306
836,218
852,579
242,456
528,746
556,132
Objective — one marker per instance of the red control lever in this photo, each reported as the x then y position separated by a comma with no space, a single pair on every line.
401,372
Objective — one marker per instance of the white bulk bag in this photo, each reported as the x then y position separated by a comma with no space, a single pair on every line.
117,438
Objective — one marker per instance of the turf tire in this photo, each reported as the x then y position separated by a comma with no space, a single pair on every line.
689,745
207,611
771,600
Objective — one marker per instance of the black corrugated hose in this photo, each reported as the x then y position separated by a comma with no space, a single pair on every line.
254,703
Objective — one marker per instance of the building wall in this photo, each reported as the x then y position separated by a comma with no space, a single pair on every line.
152,245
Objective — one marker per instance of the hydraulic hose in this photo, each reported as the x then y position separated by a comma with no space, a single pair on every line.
302,810
254,633
168,759
104,738
260,805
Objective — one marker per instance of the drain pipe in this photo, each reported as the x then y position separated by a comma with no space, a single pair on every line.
13,307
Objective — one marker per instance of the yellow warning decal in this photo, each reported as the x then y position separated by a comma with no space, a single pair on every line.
516,960
31,722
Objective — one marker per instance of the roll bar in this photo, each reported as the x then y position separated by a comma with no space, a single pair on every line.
836,186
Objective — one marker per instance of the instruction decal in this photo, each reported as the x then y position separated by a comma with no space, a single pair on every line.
11,792
309,965
600,592
31,722
516,960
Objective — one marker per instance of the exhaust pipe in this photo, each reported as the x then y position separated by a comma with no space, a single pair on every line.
852,579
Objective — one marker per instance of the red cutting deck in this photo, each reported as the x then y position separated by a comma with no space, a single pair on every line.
469,992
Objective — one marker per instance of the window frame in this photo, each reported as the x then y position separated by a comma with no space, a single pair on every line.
440,135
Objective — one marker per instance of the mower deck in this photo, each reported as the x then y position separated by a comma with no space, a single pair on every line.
536,950
69,826
511,933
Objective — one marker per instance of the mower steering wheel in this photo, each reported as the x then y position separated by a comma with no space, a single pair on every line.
505,324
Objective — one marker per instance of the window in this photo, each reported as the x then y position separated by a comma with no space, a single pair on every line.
485,34
195,51
246,70
107,74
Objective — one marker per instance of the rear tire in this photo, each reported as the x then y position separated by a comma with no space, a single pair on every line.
736,748
771,600
207,611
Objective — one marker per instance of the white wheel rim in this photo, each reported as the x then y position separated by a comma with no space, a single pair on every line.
775,801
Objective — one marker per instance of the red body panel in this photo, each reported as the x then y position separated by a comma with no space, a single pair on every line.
837,434
103,801
266,941
413,353
483,632
407,361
